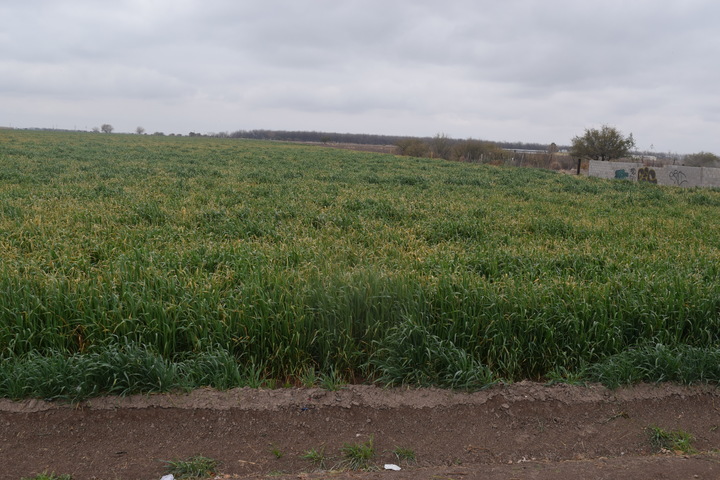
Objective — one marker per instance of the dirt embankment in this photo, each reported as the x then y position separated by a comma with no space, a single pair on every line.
525,430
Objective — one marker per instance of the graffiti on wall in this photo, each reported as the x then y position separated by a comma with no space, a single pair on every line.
675,175
678,177
623,174
647,174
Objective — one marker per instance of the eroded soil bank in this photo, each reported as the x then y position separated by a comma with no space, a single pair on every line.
524,430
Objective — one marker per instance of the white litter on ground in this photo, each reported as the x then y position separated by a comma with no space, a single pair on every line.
391,466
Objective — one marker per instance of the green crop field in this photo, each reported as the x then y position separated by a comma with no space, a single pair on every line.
145,263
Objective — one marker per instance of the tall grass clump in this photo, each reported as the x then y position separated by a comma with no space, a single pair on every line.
658,363
410,355
120,370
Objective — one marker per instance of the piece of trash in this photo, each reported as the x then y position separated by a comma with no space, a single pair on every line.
391,466
168,477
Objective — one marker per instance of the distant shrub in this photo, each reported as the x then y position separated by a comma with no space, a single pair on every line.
702,159
413,147
474,151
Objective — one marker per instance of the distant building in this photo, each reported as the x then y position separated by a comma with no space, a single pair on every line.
524,150
644,158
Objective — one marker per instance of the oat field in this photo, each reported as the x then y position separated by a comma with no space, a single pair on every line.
146,263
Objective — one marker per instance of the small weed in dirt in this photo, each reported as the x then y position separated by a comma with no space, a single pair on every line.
316,457
193,467
616,416
404,454
48,476
277,452
674,441
357,456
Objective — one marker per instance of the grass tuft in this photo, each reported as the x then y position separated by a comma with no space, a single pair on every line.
193,467
49,476
404,454
332,381
357,456
678,441
316,456
277,453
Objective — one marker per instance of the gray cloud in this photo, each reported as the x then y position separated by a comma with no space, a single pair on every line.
516,70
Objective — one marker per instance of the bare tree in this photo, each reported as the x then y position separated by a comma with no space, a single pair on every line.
441,146
139,130
106,128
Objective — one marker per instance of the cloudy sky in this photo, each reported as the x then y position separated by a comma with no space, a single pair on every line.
527,70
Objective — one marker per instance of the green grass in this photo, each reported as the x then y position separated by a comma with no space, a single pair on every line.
49,476
277,453
658,363
332,381
120,370
404,454
671,440
357,456
316,456
233,262
193,467
309,377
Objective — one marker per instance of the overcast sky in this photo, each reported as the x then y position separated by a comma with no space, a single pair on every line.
527,70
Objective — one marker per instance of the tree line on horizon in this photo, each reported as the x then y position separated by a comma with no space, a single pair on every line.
442,146
361,138
439,146
605,143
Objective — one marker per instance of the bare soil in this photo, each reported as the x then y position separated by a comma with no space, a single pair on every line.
520,431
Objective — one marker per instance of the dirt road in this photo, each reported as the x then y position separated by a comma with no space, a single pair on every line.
521,431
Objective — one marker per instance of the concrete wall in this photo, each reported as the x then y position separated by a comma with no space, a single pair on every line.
711,177
675,175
